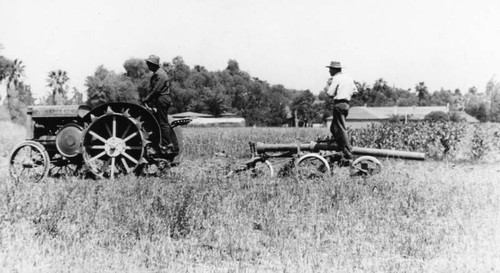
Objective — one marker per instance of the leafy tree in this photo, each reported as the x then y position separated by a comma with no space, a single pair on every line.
25,95
360,99
58,81
5,65
183,99
481,113
216,103
405,97
443,97
278,100
77,98
255,109
197,105
15,76
106,86
493,95
303,104
423,93
180,71
137,71
136,68
233,67
383,93
475,105
473,90
18,101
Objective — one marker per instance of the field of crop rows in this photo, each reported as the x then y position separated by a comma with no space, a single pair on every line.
440,215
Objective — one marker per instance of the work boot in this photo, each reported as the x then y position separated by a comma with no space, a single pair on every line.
170,149
152,151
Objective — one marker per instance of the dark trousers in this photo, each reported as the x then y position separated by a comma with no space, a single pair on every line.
167,133
339,130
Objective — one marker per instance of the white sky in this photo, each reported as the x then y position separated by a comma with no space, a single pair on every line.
445,43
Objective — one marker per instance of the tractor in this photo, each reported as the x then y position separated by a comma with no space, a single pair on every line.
108,141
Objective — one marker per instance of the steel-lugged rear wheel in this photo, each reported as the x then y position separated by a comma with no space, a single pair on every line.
114,144
29,162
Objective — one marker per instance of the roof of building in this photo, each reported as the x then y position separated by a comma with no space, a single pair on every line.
228,115
191,115
381,113
223,122
468,117
363,113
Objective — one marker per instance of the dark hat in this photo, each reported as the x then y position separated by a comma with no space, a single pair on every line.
334,64
154,60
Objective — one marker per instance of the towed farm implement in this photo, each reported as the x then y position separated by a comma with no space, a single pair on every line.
316,158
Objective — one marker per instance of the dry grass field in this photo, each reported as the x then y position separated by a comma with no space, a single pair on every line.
432,216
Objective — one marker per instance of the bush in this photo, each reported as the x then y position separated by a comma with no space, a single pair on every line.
434,138
396,118
457,117
437,116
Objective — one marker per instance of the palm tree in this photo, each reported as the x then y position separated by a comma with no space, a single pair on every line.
15,75
57,80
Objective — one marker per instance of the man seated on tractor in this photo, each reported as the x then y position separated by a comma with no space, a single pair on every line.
159,95
341,88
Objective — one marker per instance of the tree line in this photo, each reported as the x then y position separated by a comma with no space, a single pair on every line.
232,90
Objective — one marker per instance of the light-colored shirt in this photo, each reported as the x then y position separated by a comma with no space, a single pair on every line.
341,87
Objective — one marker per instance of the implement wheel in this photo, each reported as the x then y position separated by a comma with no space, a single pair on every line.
311,166
366,166
29,162
254,168
114,144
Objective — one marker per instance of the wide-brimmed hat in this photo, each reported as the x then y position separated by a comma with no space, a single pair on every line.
154,60
334,64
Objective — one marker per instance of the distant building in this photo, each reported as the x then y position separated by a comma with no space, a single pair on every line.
228,115
218,122
206,120
361,116
191,115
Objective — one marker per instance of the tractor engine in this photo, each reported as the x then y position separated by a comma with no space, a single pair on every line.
57,127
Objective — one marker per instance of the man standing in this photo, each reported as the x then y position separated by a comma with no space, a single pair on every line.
341,88
159,95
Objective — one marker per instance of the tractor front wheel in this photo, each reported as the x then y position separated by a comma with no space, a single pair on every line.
29,162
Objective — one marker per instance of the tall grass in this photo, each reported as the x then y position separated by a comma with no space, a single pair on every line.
445,219
10,135
413,217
